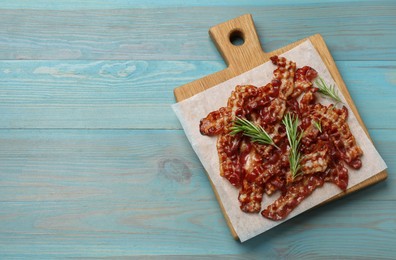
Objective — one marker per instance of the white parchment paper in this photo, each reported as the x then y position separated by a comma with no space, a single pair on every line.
192,110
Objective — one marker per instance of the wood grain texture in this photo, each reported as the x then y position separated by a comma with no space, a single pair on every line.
71,157
90,193
93,94
363,31
89,167
138,94
249,55
125,4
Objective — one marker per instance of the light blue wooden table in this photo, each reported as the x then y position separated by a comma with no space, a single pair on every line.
93,162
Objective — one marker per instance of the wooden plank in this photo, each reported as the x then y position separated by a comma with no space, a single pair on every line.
138,94
124,4
130,33
93,193
111,229
94,164
245,57
91,94
364,83
44,165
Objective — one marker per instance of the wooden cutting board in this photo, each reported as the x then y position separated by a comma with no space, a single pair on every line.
246,56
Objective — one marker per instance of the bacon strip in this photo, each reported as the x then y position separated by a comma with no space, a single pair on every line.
219,121
333,121
284,76
293,197
303,80
315,162
274,184
251,194
228,151
339,176
216,122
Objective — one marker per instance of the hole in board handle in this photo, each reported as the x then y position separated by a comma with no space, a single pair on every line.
237,38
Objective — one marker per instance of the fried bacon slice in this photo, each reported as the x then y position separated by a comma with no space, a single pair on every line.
216,122
338,175
274,184
303,80
293,197
230,166
258,169
251,193
333,121
284,76
219,121
317,160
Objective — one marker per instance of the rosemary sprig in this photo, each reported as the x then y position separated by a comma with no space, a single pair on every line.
318,125
294,139
326,90
255,132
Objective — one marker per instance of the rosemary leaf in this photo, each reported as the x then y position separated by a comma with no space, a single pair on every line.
326,90
291,123
318,125
255,132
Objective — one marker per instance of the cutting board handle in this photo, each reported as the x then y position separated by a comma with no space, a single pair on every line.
236,56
